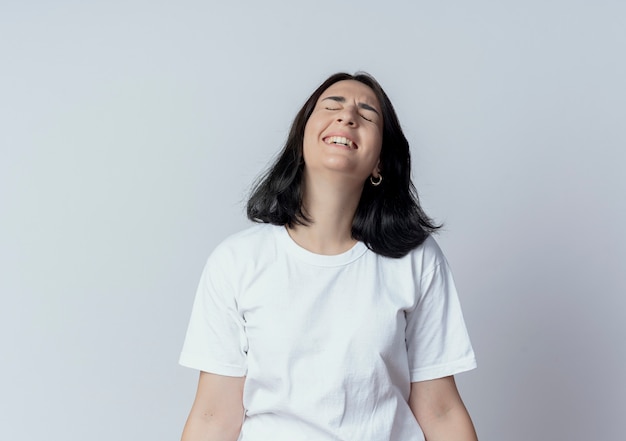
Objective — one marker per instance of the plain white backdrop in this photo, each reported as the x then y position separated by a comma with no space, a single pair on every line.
130,132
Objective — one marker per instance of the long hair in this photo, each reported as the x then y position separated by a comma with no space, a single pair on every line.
388,219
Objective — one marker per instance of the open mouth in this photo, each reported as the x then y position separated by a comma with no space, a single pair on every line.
341,140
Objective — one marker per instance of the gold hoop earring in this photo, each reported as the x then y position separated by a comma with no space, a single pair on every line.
376,183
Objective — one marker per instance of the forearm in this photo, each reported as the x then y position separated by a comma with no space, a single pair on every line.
201,428
453,425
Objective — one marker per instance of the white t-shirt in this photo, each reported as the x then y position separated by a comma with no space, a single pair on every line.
329,344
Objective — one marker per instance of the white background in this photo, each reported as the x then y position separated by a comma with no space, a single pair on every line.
130,132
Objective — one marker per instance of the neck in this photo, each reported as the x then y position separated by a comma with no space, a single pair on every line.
330,206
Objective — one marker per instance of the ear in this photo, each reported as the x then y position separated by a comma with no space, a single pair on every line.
376,171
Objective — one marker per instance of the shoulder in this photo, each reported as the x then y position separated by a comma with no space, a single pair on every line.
425,257
430,250
238,254
248,243
249,236
420,262
248,239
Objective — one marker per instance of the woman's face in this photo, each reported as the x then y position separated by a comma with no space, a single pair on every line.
344,132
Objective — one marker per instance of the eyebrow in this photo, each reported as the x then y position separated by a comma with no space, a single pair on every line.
341,99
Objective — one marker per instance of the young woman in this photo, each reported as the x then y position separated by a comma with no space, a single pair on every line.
336,316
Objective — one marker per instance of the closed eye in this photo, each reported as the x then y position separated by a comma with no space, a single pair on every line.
366,118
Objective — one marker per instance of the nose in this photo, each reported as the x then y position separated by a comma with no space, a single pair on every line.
347,116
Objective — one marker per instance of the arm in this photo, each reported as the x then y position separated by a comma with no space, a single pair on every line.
217,411
440,412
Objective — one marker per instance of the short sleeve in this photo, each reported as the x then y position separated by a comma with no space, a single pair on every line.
438,344
215,341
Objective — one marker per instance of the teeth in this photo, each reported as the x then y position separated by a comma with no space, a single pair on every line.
340,140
